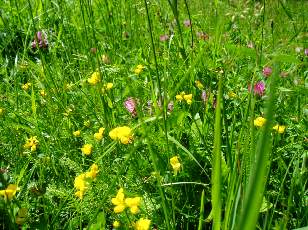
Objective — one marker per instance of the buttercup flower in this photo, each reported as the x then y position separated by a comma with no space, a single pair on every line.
123,134
94,79
81,184
9,192
133,204
26,86
142,224
279,128
31,143
109,85
77,133
176,165
43,93
259,121
118,201
267,71
87,149
116,224
93,171
139,69
1,111
99,136
199,84
231,94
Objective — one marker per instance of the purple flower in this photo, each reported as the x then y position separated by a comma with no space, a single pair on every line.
306,52
130,105
259,88
163,37
187,23
41,38
267,71
203,96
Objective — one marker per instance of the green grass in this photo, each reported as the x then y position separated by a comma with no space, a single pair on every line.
232,174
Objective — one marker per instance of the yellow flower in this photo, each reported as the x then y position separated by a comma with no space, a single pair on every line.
133,204
98,136
79,194
176,165
43,93
118,201
187,97
123,134
279,128
199,84
189,101
259,121
87,123
109,85
80,182
26,86
231,94
94,79
179,97
101,130
105,59
1,111
142,224
116,224
93,171
87,149
9,192
139,69
31,143
77,133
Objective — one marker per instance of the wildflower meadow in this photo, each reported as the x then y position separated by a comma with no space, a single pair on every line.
154,114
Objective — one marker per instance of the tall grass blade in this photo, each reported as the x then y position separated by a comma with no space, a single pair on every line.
257,181
216,171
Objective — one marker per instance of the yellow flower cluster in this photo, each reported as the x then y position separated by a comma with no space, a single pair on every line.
82,181
99,136
94,79
26,86
176,165
123,134
182,96
9,192
121,203
279,128
259,121
31,144
142,224
139,69
87,149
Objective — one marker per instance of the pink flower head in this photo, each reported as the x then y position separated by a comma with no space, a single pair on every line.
267,71
170,106
187,23
306,52
202,36
164,38
41,38
259,88
203,96
130,105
